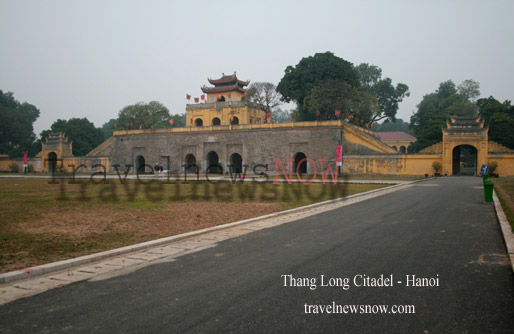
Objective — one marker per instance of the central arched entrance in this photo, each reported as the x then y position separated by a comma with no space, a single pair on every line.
140,164
302,169
191,166
213,163
216,121
198,122
236,163
52,162
464,160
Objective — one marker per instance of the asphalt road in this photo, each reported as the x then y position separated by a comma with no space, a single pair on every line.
439,228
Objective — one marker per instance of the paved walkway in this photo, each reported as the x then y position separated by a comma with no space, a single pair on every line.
439,230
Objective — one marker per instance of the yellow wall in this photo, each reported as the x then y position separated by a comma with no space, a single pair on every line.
505,163
235,96
246,112
398,144
387,162
390,164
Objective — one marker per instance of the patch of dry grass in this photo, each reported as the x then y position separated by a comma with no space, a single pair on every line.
505,190
41,222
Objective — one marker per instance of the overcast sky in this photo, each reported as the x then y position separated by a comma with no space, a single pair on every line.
92,58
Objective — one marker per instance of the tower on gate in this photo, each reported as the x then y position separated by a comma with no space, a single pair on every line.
225,104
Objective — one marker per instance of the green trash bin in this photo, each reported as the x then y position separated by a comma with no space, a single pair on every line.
488,190
485,177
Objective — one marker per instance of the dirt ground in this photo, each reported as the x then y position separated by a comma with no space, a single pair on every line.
84,231
172,218
42,222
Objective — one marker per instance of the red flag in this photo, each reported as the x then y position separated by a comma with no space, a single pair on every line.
203,97
367,125
268,115
188,96
337,113
372,125
344,115
197,100
115,125
171,121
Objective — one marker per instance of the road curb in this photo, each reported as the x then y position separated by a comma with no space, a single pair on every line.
508,235
70,263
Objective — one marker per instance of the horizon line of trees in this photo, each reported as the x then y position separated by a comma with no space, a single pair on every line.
323,87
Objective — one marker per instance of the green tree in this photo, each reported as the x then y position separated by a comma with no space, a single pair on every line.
436,108
501,129
388,96
179,120
108,128
500,119
396,125
264,93
429,135
16,126
298,81
84,135
280,116
147,115
333,94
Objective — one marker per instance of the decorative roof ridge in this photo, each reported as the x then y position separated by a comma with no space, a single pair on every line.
225,79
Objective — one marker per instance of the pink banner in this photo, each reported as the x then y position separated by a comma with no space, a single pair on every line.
339,153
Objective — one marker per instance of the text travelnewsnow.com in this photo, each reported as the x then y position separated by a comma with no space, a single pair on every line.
358,281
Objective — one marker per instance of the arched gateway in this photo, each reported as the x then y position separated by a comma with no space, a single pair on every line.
465,146
464,160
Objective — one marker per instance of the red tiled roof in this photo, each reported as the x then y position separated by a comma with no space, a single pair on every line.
211,90
395,135
228,79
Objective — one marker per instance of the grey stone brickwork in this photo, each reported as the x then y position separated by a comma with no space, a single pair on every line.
256,147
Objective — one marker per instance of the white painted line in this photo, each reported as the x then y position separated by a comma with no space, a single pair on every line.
178,242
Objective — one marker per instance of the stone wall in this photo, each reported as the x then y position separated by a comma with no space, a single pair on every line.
256,147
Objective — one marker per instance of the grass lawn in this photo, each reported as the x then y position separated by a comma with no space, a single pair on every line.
42,222
504,187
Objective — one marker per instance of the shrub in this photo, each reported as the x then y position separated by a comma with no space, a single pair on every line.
437,166
492,166
30,168
13,167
